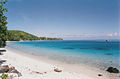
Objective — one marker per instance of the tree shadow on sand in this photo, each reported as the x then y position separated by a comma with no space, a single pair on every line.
2,61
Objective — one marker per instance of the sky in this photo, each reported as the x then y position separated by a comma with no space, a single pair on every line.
67,19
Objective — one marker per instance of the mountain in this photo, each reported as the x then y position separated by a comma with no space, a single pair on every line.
16,35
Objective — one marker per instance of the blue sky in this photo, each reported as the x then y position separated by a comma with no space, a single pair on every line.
68,19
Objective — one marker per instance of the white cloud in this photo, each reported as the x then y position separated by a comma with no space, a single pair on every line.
113,34
87,35
110,35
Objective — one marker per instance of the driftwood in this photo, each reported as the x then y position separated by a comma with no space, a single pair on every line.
57,70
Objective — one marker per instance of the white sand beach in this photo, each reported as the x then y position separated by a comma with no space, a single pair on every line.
31,68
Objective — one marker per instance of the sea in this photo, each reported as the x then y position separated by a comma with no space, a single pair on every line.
97,53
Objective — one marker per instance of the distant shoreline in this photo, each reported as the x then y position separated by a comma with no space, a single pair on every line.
17,35
33,40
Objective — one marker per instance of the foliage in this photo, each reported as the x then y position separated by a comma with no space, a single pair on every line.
4,76
3,23
15,35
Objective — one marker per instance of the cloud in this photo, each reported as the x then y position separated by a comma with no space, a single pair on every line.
83,35
113,34
110,35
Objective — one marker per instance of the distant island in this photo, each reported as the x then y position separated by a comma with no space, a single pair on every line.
16,35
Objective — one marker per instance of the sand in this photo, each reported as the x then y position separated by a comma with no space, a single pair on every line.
31,68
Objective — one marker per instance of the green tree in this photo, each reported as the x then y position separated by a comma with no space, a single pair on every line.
3,23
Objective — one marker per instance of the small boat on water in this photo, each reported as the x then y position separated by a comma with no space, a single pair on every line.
107,40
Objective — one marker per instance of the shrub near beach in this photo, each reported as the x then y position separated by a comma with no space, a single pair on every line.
4,76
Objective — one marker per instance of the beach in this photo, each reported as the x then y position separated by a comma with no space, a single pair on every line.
31,68
59,39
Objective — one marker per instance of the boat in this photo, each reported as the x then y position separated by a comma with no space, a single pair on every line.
107,40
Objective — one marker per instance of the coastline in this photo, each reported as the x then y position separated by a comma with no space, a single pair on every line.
28,64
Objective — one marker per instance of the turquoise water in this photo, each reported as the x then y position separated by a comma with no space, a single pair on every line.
97,53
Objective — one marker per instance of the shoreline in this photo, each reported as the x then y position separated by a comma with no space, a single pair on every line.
32,40
28,63
58,63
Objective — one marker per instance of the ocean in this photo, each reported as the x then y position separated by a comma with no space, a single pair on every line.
98,53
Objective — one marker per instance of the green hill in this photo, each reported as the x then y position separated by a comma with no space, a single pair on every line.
15,35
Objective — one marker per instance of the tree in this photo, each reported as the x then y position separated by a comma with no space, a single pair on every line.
3,23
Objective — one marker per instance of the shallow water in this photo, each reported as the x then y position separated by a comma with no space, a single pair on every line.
98,53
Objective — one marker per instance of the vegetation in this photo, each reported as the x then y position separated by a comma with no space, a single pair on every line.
15,35
3,23
4,76
20,35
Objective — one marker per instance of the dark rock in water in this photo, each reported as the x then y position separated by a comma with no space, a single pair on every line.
100,75
112,70
96,48
85,48
57,70
68,48
108,54
101,49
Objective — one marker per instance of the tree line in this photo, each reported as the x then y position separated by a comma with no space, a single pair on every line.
15,35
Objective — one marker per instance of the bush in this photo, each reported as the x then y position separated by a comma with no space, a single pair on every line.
4,76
